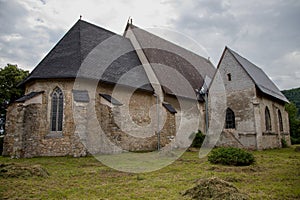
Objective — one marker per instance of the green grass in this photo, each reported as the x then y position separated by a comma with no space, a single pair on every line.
275,175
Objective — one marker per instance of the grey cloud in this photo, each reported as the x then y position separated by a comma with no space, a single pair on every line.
12,16
262,31
33,41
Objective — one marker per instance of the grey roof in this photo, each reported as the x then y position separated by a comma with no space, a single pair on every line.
261,80
169,107
28,96
71,55
111,99
161,52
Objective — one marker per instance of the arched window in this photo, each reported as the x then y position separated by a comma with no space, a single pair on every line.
268,119
230,119
280,121
57,107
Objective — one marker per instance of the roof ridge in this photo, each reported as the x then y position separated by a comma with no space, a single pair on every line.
264,83
235,53
48,54
80,52
177,45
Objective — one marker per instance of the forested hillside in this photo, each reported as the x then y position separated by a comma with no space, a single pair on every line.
293,109
293,95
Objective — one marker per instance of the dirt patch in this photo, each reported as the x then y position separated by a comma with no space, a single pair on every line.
13,170
214,188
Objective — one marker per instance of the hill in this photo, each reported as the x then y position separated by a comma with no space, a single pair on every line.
293,95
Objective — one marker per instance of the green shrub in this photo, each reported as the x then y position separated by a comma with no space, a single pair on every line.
231,156
1,145
284,143
198,140
295,140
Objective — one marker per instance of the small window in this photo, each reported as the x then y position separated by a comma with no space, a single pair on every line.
280,121
229,77
57,106
268,119
230,119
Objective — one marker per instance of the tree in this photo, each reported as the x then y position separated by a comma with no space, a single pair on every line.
294,122
10,77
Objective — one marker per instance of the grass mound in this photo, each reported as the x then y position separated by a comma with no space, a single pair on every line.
214,188
13,170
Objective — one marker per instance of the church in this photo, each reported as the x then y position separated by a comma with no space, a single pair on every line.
97,92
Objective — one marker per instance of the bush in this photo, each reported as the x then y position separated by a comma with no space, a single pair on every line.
1,145
231,156
295,140
198,140
284,143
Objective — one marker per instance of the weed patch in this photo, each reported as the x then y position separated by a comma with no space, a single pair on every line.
13,170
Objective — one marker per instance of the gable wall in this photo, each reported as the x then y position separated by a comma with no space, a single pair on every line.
240,94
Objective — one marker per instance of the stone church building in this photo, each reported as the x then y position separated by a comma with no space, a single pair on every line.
255,117
99,92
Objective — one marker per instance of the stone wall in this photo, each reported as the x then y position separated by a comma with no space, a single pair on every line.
12,145
133,125
240,94
272,139
248,105
28,124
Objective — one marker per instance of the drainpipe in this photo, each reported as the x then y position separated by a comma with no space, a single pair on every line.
157,117
206,111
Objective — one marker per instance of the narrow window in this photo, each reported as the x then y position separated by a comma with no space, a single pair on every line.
280,121
268,119
57,107
230,119
229,77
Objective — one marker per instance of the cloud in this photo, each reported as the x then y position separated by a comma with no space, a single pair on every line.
261,31
24,38
265,32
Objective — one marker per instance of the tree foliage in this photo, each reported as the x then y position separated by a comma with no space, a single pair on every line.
293,95
294,122
293,109
10,77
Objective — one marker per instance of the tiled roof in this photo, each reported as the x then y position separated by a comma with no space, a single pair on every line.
28,96
261,80
110,99
161,52
79,48
169,107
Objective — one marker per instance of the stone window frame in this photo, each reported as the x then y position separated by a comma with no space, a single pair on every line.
268,122
59,112
230,119
280,122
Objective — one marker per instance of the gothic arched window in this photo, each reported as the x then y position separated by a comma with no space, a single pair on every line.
268,119
57,107
230,119
280,121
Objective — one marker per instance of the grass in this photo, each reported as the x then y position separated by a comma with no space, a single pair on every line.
275,175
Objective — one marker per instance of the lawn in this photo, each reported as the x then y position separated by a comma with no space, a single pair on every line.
275,175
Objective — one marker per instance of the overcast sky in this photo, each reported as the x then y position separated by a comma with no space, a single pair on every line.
266,32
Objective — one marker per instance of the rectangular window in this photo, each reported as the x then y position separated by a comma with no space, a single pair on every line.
229,77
